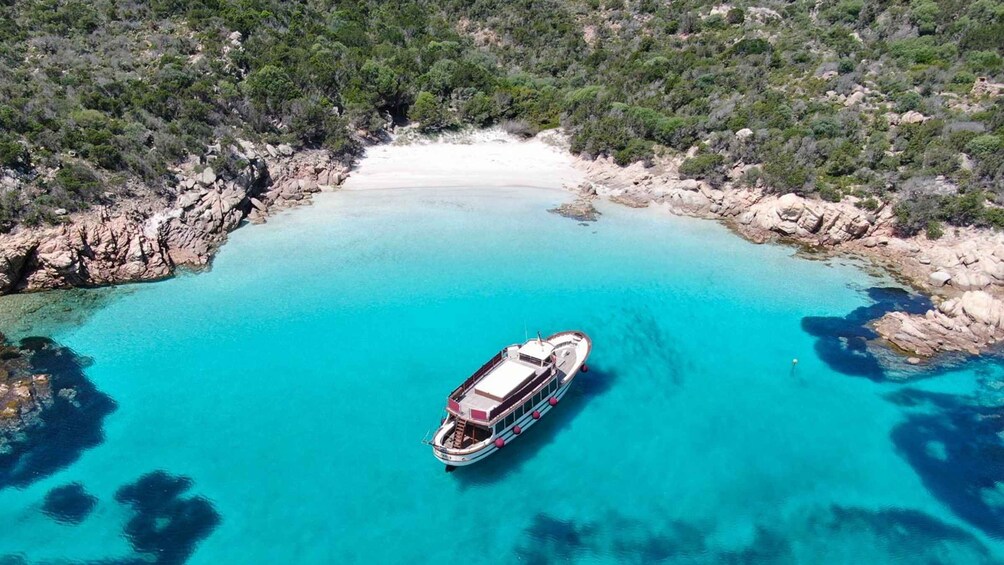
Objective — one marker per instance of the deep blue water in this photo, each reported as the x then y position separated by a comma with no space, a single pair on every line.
271,410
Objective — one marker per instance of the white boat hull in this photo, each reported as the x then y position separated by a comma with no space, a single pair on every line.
485,448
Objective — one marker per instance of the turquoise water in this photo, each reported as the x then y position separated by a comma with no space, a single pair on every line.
283,397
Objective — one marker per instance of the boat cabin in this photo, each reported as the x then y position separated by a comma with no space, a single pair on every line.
501,388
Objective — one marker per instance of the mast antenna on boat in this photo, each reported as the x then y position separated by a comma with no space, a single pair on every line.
539,340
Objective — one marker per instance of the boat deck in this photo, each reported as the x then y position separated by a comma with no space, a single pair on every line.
566,359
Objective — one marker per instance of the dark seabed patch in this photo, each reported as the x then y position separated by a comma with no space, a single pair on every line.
166,525
843,342
956,445
69,504
905,535
46,313
72,424
650,349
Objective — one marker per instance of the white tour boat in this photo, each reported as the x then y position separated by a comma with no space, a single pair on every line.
507,395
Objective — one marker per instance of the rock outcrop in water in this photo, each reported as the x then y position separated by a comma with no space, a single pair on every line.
148,238
581,209
23,395
969,323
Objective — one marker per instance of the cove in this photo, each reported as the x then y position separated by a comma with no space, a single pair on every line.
271,409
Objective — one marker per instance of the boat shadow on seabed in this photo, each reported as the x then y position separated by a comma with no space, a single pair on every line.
596,382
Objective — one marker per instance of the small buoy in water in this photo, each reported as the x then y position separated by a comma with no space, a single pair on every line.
585,368
536,415
517,430
794,361
552,401
500,443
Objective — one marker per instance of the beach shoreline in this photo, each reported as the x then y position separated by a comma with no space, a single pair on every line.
963,271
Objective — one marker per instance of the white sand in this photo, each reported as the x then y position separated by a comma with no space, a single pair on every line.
477,160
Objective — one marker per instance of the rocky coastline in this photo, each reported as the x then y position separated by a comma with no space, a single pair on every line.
963,271
149,238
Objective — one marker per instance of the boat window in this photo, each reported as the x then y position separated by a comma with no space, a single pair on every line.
499,426
536,399
519,411
554,386
509,420
526,406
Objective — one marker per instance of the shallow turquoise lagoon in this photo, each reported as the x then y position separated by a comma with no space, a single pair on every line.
272,410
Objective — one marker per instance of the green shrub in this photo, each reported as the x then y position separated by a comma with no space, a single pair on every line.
270,84
908,101
933,230
925,15
830,193
13,154
871,204
983,61
783,173
429,112
75,187
964,209
994,217
635,150
751,46
700,166
984,145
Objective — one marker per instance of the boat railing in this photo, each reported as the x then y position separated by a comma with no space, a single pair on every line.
459,391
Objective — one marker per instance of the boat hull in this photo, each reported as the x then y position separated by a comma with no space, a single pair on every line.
508,435
461,458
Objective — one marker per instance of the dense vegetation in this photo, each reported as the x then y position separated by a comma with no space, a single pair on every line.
100,97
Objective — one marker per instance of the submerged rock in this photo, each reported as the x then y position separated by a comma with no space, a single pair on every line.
581,209
69,504
23,396
50,412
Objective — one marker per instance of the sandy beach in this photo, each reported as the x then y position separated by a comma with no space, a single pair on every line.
477,160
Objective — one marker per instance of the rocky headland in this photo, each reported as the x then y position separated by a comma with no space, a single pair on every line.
963,270
149,237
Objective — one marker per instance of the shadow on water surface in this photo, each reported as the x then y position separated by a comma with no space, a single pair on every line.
594,383
72,424
843,342
893,532
956,445
166,525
